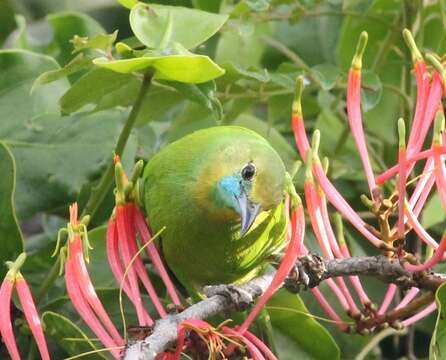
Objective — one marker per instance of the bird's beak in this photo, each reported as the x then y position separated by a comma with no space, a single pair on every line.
248,212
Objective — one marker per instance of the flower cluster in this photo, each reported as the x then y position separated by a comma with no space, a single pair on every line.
125,226
80,289
404,204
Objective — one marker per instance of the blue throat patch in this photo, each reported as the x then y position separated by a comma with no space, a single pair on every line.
229,188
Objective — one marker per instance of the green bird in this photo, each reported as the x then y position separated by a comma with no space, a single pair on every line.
220,194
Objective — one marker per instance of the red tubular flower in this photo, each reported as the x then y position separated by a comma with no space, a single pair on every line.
125,239
388,297
114,260
419,229
329,310
260,345
345,253
152,252
287,263
386,175
422,80
423,313
423,187
79,267
434,98
130,222
336,199
83,309
333,196
402,176
297,121
436,257
253,350
440,174
31,315
325,304
322,205
80,288
123,249
139,265
5,316
410,295
313,206
14,277
354,109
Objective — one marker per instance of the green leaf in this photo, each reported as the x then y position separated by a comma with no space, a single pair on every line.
349,4
432,214
7,21
207,5
241,43
157,26
91,87
19,69
65,26
160,104
313,38
192,118
101,41
351,27
234,72
11,241
203,94
433,25
290,316
71,151
327,75
80,62
70,337
21,40
371,90
258,5
437,349
190,68
128,3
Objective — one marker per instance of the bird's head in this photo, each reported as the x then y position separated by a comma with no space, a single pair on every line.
242,179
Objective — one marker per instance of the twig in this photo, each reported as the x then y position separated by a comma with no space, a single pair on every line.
224,298
165,331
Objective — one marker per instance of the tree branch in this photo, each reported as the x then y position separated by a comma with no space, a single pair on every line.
310,271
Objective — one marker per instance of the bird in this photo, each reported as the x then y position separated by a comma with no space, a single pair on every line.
219,193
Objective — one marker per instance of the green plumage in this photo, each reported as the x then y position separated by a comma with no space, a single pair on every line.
201,242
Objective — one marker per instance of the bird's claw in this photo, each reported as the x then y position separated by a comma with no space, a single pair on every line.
307,272
240,298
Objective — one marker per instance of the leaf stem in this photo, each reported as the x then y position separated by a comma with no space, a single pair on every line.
99,192
376,340
50,278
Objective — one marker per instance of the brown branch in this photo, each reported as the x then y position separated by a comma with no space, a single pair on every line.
310,271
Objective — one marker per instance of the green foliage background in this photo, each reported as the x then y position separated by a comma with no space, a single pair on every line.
57,133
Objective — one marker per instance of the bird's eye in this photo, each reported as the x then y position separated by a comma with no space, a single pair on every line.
248,171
